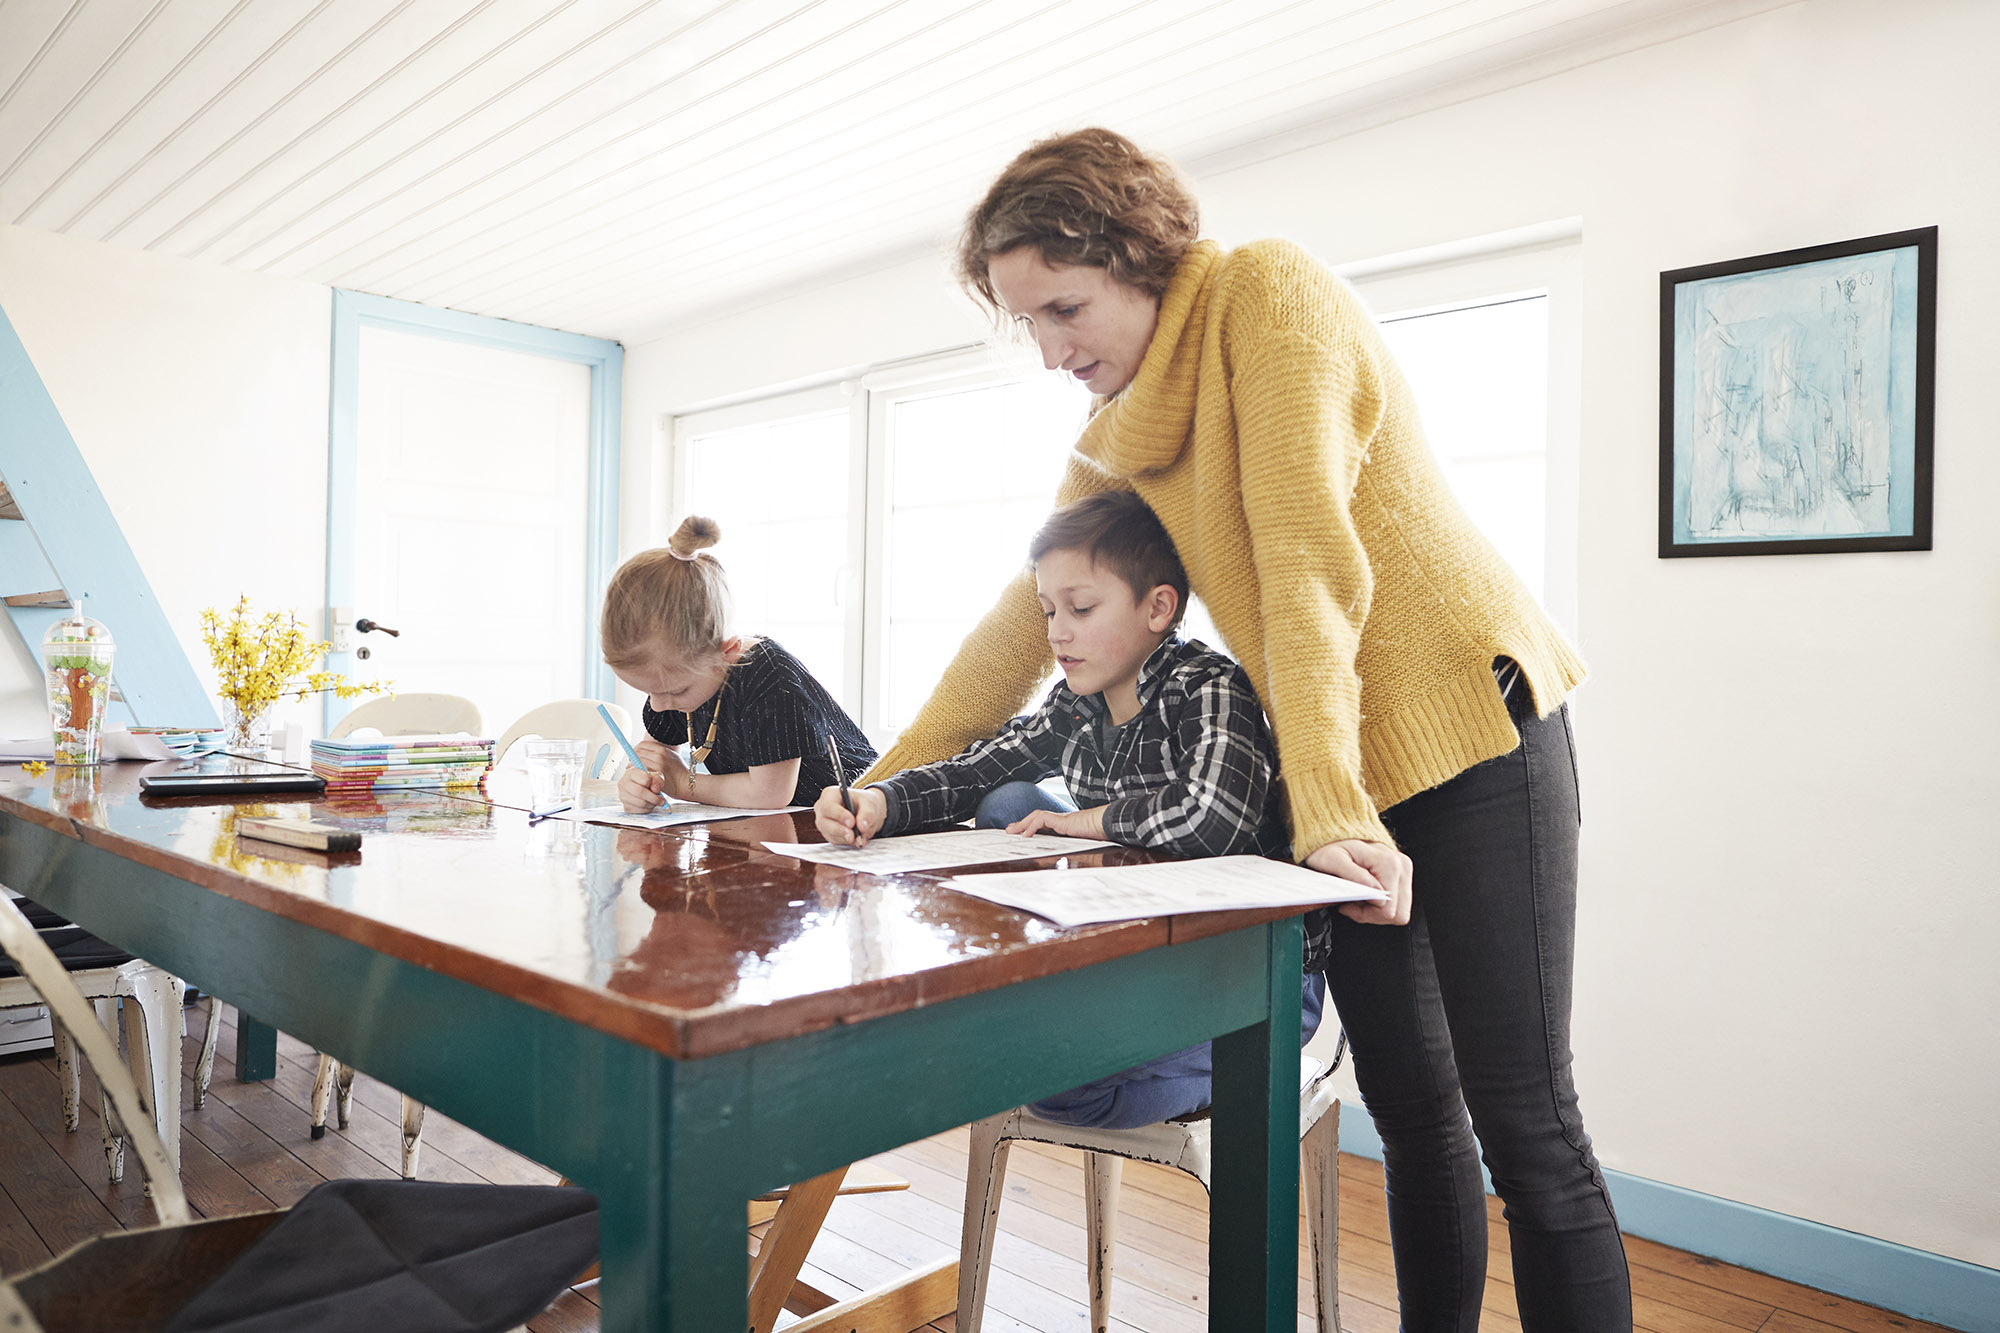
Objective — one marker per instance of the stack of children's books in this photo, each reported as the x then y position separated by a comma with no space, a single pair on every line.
401,763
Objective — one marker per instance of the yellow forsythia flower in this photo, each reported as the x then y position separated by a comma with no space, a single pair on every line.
256,667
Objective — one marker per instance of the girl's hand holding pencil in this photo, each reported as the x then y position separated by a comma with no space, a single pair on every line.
837,825
645,788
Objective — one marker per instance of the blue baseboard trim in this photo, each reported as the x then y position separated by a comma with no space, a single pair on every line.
1909,1281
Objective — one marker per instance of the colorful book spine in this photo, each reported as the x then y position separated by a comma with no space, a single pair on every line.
468,776
426,763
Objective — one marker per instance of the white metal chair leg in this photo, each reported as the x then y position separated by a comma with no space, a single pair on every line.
1101,1175
67,1006
69,1074
1183,1145
333,1082
985,1186
106,1008
153,1046
322,1090
204,1068
1319,1177
413,1135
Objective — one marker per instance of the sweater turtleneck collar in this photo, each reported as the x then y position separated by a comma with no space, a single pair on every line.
1143,428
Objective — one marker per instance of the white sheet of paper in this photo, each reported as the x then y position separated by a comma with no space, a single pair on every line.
1127,893
668,815
111,747
936,851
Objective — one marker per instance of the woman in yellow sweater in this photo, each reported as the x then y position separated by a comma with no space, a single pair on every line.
1415,689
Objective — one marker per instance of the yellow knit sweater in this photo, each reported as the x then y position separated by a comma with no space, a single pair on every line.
1271,432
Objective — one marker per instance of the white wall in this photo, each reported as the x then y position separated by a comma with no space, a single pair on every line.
198,396
1785,988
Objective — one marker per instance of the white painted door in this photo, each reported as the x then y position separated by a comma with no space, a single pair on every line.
470,505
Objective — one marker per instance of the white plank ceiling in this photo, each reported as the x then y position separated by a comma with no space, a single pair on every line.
616,166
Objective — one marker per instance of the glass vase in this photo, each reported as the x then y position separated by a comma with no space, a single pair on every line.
249,732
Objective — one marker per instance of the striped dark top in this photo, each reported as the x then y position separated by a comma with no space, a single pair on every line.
772,710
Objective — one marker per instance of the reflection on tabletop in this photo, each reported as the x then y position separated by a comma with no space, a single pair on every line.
718,938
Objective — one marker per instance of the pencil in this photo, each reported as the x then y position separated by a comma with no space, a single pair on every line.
619,736
839,773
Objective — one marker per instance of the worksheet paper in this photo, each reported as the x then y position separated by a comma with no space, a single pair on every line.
936,851
1127,893
668,815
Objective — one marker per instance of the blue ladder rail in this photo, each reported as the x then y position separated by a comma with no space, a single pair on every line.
59,541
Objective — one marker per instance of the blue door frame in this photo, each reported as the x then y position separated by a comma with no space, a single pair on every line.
606,359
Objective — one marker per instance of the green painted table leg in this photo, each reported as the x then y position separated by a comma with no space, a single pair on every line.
256,1049
672,1236
1253,1229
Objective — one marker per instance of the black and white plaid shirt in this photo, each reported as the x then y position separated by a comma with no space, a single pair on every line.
1194,773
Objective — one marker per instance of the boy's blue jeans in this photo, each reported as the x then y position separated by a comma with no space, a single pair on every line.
1173,1085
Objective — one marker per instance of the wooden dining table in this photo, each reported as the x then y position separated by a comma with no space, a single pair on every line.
682,1019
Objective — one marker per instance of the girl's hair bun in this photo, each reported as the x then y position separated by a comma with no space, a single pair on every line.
694,534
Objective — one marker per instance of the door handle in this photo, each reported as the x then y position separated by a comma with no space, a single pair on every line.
367,626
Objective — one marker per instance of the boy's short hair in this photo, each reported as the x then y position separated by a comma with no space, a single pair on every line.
1119,531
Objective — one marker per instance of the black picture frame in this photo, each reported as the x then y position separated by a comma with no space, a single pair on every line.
1677,453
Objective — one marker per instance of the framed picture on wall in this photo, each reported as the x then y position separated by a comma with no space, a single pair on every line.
1795,400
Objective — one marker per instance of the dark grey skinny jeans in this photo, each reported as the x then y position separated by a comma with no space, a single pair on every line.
1468,1009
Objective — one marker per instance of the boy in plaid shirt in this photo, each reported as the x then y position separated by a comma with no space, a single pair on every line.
1161,739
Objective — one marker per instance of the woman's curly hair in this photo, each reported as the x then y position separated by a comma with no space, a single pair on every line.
1087,198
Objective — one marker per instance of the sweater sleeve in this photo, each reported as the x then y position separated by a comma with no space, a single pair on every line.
996,669
1306,409
936,796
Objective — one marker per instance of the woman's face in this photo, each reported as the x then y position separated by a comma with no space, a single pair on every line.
1085,321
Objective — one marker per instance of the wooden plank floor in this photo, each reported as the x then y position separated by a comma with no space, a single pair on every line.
249,1148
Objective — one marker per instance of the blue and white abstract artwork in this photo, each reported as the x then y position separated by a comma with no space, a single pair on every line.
1794,401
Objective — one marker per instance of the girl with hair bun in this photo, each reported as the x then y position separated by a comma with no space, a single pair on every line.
756,718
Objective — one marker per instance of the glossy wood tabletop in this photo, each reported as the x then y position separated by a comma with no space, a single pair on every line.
689,941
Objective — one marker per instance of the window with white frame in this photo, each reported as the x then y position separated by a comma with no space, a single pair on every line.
1480,376
962,472
1490,346
869,526
775,480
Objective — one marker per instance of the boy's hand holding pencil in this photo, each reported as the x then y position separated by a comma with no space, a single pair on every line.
850,828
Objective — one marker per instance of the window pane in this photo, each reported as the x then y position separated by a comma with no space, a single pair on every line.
779,490
1480,375
972,474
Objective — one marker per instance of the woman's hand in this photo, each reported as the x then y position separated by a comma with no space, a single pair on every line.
1069,823
836,825
1376,865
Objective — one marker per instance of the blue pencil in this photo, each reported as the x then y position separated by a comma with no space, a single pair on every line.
619,736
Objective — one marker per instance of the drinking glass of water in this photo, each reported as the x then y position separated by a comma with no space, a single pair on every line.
555,774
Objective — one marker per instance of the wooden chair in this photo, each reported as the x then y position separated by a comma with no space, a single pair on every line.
150,1001
792,1216
573,719
795,1216
206,1274
1183,1145
333,1082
